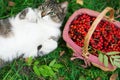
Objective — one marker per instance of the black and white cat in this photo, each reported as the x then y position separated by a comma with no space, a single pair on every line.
32,32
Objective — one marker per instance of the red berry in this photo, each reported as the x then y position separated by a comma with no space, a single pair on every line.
106,37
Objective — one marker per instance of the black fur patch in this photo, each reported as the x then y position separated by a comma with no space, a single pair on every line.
39,47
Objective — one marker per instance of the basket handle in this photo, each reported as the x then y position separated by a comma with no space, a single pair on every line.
93,27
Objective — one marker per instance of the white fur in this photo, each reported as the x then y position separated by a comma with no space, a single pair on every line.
28,35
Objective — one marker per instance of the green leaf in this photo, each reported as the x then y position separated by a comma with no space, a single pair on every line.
43,72
99,52
36,63
55,69
105,61
117,64
52,62
100,57
46,71
57,66
115,56
36,70
117,60
113,53
82,77
111,61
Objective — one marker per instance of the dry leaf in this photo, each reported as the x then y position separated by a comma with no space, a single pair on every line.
98,78
114,76
117,11
61,78
10,3
79,2
26,59
108,0
62,52
117,16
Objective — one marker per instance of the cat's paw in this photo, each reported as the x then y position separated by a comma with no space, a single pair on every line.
29,15
47,47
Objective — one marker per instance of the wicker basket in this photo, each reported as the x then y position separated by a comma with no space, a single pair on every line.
82,53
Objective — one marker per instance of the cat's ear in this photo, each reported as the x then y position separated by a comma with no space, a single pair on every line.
23,13
64,6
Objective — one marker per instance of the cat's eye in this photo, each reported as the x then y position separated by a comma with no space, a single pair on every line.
51,13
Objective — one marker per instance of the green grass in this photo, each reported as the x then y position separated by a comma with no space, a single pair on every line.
71,70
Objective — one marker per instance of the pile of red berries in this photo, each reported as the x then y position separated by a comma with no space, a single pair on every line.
105,38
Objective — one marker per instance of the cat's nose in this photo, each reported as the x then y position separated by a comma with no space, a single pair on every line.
43,13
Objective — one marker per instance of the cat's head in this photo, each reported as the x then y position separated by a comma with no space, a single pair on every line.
56,11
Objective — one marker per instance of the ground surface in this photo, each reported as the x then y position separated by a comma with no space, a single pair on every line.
54,66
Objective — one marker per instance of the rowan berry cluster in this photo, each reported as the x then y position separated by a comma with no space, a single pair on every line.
105,38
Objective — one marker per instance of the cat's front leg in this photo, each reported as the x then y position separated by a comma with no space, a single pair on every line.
47,47
29,15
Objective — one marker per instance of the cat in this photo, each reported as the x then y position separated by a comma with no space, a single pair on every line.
32,32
